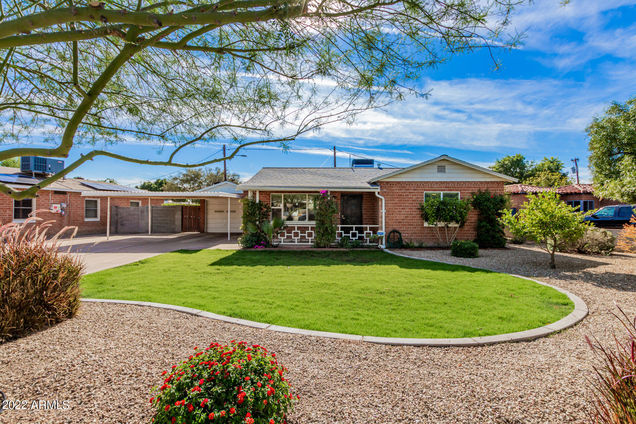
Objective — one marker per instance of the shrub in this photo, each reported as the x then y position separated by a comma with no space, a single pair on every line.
490,232
326,213
627,237
596,241
258,230
235,383
449,214
464,249
39,286
615,387
546,220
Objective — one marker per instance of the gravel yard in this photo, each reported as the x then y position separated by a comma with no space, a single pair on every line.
104,361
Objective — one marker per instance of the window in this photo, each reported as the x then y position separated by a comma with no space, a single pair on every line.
22,209
441,195
135,203
91,209
294,207
625,212
441,169
583,205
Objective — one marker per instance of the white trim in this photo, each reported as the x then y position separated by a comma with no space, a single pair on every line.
308,188
19,221
98,210
162,194
448,158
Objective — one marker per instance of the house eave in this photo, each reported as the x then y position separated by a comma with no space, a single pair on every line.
306,188
161,194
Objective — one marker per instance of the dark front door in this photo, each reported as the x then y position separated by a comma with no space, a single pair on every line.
351,209
190,217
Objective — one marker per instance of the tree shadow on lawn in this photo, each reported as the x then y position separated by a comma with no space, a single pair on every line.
569,267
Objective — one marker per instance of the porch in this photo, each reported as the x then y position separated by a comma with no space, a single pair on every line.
358,216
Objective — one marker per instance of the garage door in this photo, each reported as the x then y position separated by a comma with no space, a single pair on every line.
216,215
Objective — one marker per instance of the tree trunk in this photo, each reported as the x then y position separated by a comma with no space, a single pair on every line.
552,251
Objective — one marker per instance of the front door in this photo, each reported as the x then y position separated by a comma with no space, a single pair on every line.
351,209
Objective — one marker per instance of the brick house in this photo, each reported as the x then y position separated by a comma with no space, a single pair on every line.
96,207
581,195
371,200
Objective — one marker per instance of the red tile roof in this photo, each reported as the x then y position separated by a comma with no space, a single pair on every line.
568,189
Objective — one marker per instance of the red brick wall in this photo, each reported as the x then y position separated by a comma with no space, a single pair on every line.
404,197
74,213
517,200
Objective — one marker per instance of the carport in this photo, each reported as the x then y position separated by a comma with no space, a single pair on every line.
217,212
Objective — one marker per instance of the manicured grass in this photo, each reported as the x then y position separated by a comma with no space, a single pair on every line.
356,292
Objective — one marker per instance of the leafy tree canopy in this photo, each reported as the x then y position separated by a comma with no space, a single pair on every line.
156,185
548,221
549,172
182,72
195,179
11,163
613,152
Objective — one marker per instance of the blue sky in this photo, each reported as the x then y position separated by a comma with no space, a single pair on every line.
574,61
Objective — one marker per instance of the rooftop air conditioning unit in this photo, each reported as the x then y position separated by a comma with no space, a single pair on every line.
38,165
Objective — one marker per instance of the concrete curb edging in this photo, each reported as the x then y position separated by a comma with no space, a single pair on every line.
580,311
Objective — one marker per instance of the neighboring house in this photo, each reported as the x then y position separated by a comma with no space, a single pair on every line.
96,207
371,200
581,195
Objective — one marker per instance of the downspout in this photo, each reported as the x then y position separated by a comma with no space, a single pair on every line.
383,210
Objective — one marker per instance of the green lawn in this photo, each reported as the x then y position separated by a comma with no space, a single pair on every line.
358,292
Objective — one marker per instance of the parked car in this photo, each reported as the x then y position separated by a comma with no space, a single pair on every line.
612,216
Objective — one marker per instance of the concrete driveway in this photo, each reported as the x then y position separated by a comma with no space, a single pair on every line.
99,253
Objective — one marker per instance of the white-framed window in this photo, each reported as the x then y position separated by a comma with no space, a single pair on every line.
441,195
294,207
135,203
91,209
22,209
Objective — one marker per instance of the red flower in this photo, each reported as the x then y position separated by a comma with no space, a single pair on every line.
247,379
167,408
201,382
203,402
196,389
174,420
211,416
164,373
271,421
264,401
222,413
259,384
232,410
190,407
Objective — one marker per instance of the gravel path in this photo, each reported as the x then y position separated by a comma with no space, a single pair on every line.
104,361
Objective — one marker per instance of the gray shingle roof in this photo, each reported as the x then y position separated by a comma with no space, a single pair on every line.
314,178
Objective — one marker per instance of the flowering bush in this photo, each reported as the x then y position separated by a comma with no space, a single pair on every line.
39,285
235,383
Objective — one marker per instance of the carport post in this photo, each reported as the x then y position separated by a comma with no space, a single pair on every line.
149,217
107,218
228,218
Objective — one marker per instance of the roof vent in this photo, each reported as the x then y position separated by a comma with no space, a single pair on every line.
362,163
441,169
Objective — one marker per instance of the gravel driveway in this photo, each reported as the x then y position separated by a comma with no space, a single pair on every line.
104,361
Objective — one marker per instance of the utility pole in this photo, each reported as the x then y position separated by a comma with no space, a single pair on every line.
334,156
576,168
224,165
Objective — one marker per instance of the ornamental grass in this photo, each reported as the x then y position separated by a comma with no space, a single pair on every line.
39,285
235,383
615,385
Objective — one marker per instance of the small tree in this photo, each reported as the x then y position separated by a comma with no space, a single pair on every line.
627,237
326,227
548,221
449,214
255,215
490,231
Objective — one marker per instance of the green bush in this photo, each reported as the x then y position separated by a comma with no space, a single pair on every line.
39,286
326,226
449,214
236,383
258,230
490,231
464,249
596,241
